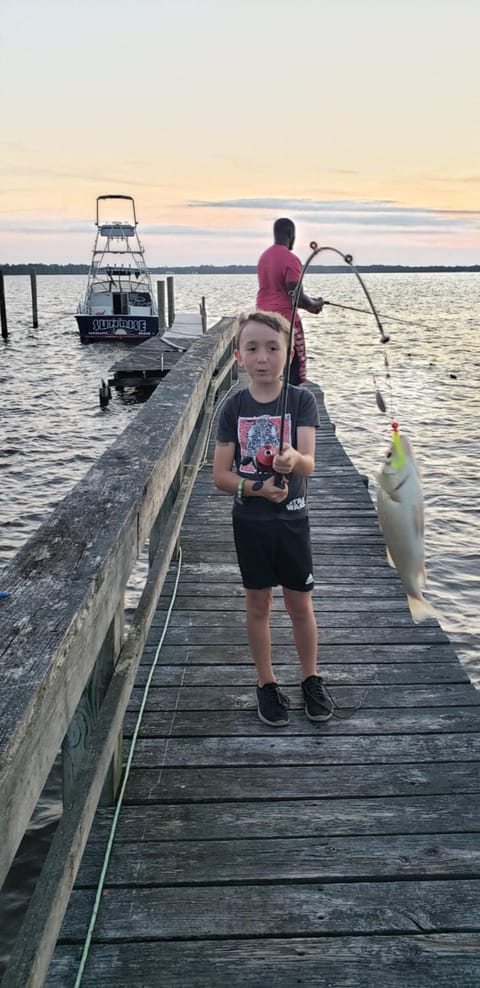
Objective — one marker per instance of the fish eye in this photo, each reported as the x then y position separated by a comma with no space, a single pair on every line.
389,455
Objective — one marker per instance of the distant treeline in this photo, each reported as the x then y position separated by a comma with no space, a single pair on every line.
246,269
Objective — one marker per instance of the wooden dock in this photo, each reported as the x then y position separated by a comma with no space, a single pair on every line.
345,855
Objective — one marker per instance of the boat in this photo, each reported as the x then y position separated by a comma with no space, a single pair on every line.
118,304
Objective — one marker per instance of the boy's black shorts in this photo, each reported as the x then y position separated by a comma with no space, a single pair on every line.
274,552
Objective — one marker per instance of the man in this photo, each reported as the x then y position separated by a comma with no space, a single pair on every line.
279,272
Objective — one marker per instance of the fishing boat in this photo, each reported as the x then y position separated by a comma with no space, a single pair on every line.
118,304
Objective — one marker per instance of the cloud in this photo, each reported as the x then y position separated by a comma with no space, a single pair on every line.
195,231
352,206
382,213
312,205
46,228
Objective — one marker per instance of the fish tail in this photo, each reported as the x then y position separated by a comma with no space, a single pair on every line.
421,610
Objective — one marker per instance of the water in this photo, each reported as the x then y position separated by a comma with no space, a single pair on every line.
53,430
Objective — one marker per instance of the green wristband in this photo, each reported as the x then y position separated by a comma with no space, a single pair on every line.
241,483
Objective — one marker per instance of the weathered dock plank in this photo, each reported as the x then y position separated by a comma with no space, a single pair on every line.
242,722
343,855
405,961
226,698
278,909
353,673
415,814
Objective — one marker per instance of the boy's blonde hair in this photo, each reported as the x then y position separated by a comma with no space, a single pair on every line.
272,319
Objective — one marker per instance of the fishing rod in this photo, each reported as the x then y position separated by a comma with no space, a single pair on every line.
296,295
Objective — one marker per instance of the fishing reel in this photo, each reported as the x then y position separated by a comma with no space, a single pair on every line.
263,466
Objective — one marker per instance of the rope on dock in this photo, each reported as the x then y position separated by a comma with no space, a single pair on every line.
118,807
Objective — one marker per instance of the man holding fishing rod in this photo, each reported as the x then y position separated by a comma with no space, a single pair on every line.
279,272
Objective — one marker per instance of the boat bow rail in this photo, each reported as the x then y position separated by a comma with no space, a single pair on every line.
66,666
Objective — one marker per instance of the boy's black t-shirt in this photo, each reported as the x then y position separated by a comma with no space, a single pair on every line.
250,425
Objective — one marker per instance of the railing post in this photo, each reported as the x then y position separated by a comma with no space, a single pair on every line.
170,300
161,305
83,722
162,518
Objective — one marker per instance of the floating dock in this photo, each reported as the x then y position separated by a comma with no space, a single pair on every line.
148,363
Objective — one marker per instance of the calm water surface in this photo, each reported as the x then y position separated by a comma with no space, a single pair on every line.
53,428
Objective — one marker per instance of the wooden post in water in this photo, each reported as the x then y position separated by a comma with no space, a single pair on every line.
161,305
33,282
3,308
170,300
203,314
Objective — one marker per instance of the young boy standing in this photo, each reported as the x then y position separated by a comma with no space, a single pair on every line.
270,516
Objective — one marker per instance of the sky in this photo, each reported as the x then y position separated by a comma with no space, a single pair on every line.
359,119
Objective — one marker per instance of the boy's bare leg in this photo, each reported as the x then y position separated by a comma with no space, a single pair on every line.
258,606
299,605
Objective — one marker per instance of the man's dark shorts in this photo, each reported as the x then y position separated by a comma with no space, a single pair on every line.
274,552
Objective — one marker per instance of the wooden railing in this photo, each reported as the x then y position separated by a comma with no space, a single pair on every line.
66,668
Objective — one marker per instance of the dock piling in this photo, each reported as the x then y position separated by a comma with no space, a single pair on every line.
3,308
33,282
170,300
161,305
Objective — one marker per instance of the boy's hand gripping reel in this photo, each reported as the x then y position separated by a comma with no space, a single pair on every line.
263,466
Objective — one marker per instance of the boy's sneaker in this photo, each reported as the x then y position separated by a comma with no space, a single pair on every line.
318,702
272,705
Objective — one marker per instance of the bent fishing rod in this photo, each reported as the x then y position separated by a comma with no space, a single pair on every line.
296,295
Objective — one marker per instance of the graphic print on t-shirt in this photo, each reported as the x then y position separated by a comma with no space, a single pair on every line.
260,430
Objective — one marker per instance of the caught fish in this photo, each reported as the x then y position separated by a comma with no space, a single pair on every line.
400,516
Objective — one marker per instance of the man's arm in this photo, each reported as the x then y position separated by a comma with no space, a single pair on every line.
314,305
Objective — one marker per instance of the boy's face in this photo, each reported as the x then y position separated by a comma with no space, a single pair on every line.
262,352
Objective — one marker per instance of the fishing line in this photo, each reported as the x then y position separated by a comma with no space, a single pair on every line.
118,807
296,295
367,312
204,460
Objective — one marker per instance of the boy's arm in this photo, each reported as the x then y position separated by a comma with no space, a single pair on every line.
223,476
301,460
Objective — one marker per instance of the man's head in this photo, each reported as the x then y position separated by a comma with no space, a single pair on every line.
284,232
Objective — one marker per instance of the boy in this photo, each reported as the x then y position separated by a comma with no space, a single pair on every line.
270,519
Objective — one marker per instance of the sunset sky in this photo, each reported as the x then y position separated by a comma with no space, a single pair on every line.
359,119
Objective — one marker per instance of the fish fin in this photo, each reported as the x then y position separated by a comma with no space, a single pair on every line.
421,610
389,558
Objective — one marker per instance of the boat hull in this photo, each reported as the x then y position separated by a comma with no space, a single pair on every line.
116,329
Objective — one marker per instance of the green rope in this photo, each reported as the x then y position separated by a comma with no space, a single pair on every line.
106,860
